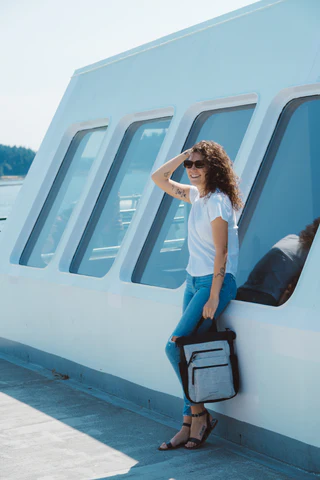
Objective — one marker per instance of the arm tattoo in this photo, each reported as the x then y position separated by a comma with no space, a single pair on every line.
221,273
167,174
179,191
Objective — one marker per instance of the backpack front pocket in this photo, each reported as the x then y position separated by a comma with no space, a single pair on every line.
205,354
212,382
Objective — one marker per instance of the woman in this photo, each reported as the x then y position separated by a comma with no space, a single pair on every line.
213,249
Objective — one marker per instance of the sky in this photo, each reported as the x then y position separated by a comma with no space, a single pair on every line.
44,41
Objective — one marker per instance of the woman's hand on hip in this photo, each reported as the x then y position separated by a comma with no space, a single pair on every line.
210,308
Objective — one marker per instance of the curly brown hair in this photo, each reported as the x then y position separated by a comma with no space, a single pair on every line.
220,174
306,236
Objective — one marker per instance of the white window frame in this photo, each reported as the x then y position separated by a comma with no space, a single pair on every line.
95,187
250,170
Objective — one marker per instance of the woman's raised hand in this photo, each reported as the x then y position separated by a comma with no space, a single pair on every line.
187,152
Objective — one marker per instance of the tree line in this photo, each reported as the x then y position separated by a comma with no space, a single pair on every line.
15,161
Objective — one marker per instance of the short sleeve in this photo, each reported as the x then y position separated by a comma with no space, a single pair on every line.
193,193
219,206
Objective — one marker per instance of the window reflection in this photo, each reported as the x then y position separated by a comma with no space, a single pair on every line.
119,197
62,198
284,200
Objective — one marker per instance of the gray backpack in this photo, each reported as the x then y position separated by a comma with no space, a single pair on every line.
209,366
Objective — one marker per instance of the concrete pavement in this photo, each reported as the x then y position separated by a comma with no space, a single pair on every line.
55,429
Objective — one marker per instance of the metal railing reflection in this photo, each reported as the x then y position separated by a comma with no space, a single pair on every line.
128,204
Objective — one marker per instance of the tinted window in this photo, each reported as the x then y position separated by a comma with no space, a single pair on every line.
165,253
119,197
284,200
62,198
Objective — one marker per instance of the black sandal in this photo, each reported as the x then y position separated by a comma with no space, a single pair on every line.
173,447
210,426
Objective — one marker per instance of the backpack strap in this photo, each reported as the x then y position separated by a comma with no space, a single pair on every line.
213,327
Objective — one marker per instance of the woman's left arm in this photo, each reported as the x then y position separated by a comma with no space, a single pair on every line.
220,241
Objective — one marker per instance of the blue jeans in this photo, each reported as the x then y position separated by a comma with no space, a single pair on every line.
196,295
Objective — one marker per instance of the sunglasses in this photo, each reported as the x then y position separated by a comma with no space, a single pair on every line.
197,164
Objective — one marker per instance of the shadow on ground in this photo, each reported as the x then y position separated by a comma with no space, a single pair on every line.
50,430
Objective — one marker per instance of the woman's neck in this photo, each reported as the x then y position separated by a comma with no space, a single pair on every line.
202,192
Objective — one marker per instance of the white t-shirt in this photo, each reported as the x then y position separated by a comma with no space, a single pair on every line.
200,242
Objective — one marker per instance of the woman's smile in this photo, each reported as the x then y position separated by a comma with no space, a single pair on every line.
196,177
